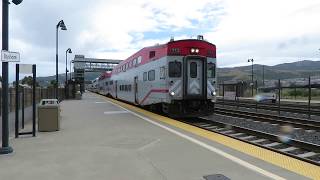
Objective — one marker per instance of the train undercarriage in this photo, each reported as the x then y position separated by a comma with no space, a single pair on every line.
188,108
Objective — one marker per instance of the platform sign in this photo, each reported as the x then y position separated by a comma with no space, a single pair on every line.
25,68
7,56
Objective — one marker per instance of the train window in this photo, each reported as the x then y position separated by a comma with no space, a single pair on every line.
151,75
145,76
211,70
162,72
152,54
139,60
175,69
134,62
193,69
130,87
111,82
106,83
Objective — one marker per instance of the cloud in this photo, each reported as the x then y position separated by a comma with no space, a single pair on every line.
117,28
269,31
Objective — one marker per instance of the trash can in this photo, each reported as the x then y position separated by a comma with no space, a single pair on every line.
78,95
49,115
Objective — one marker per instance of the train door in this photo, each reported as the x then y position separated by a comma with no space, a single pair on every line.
194,77
116,88
136,89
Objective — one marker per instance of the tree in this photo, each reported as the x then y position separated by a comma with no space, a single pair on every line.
52,83
28,80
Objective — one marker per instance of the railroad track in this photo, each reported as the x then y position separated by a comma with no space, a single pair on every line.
281,120
286,107
294,148
304,151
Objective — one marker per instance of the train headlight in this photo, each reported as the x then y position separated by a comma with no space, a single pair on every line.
213,93
194,50
172,93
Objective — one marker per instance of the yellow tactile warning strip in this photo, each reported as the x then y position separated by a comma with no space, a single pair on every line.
286,162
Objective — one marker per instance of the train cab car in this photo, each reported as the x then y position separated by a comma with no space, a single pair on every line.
94,85
191,77
178,78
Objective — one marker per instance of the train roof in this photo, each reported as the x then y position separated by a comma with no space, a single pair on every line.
181,47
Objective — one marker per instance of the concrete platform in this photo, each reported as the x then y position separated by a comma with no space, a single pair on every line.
100,140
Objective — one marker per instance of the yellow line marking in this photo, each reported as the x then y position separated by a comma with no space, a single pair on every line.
300,167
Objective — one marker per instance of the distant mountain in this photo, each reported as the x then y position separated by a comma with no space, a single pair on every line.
299,69
45,81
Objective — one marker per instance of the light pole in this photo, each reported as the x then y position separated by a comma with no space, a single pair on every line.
5,149
66,93
63,27
251,60
70,71
67,51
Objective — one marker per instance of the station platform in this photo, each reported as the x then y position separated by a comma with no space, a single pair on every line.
101,138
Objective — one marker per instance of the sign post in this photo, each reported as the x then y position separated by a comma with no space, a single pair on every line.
5,149
26,69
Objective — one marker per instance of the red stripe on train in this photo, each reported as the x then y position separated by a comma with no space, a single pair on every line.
154,91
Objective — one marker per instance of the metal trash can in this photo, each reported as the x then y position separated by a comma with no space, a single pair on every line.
49,115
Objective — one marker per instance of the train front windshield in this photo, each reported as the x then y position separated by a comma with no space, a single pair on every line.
211,70
175,69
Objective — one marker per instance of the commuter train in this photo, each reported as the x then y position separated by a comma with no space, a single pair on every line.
177,78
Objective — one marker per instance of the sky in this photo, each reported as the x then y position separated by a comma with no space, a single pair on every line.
269,31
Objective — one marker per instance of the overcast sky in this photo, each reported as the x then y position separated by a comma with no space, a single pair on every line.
270,31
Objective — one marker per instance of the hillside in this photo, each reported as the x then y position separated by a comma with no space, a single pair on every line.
299,69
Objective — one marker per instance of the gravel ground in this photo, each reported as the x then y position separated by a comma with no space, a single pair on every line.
297,133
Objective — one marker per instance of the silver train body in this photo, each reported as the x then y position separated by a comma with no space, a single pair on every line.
177,78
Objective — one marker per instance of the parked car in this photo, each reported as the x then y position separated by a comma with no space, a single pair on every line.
266,97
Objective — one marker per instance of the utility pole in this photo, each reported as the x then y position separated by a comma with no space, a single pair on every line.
263,75
251,60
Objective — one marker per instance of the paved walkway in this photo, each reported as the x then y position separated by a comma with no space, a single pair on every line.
99,140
